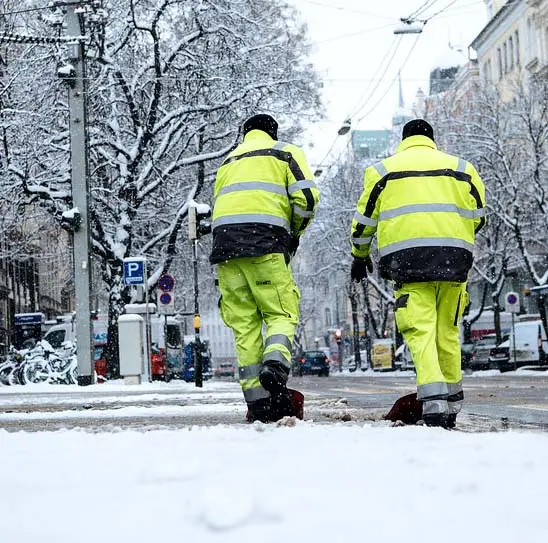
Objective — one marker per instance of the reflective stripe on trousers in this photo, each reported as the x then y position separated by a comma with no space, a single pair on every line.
278,349
253,391
455,398
433,397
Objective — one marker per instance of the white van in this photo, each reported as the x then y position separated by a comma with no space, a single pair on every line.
531,348
64,331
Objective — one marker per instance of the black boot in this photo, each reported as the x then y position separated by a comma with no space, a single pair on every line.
273,378
436,419
259,410
452,420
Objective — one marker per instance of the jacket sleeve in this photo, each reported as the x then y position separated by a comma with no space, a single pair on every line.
364,223
303,192
478,192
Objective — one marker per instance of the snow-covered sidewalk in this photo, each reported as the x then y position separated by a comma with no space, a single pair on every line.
309,483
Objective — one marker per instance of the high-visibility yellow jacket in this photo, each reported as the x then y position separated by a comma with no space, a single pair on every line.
264,195
425,207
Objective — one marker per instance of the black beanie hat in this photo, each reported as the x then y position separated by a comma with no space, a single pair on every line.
417,127
263,122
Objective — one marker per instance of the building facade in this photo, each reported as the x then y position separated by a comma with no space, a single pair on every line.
513,46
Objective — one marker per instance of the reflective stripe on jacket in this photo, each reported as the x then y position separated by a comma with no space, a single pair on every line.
425,207
264,194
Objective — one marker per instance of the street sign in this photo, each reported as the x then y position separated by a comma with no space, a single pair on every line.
166,283
511,302
134,271
166,303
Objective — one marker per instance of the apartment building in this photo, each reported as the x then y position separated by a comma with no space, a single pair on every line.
513,46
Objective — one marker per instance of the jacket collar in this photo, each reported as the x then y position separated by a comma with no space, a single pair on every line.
416,141
257,135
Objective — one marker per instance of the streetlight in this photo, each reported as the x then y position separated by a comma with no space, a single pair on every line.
345,128
409,27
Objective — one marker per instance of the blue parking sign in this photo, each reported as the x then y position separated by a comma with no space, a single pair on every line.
134,271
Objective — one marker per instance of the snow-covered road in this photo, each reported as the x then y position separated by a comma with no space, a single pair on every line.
309,483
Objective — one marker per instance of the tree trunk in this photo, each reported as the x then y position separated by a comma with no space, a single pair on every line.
541,305
496,317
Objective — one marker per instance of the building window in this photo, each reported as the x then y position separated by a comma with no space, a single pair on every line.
488,72
546,46
499,60
531,39
505,57
327,317
511,53
516,41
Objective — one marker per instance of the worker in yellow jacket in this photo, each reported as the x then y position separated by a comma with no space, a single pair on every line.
425,207
264,198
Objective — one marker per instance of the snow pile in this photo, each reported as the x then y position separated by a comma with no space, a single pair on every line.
119,386
269,484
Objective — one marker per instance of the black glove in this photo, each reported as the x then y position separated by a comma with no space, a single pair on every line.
359,268
293,245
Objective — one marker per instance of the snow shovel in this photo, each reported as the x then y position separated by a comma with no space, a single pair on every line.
407,409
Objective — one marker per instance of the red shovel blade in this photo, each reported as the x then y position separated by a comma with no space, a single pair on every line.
407,409
297,401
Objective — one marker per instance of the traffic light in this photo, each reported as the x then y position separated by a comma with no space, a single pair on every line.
199,223
338,335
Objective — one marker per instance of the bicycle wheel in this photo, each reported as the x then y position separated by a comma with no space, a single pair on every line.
5,371
352,365
36,371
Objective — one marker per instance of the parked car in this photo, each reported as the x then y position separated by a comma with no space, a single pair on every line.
402,358
350,362
466,354
499,357
311,362
482,350
225,369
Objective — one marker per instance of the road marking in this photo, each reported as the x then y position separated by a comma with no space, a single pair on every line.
365,390
536,407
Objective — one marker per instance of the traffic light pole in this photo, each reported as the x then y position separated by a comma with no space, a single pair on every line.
198,368
198,225
80,199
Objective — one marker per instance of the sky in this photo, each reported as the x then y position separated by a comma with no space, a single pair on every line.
354,40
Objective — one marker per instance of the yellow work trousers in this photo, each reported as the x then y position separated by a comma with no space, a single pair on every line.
428,316
259,291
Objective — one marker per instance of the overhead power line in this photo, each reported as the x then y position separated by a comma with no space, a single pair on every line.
393,80
442,10
348,10
351,34
26,10
426,5
381,77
